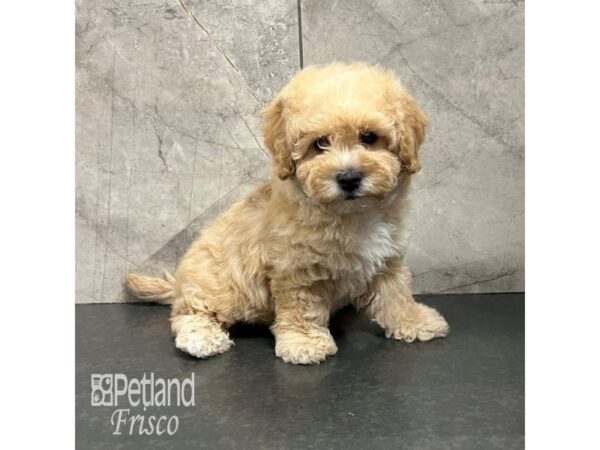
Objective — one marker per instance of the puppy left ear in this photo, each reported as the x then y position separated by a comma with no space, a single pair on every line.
411,123
276,140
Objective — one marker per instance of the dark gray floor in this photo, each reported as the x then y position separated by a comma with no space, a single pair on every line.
464,391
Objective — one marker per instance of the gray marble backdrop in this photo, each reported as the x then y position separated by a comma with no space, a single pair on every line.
167,133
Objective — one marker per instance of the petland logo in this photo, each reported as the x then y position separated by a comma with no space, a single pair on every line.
118,390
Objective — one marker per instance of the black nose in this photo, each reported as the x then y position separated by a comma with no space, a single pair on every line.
349,180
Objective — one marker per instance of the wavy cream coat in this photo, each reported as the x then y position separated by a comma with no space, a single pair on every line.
299,248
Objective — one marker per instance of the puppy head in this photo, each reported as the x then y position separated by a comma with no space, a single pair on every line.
344,132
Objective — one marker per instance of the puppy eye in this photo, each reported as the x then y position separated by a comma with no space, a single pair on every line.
367,137
321,144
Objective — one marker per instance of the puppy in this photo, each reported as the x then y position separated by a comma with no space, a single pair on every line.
328,230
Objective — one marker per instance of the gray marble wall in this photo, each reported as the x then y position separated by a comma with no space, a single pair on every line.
167,133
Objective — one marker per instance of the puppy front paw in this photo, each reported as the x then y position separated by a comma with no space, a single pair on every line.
298,348
424,323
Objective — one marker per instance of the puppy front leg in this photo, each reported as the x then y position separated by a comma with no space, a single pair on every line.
390,303
300,327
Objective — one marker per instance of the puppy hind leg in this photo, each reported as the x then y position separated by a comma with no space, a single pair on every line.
200,334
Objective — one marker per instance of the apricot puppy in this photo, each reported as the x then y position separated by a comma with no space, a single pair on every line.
328,230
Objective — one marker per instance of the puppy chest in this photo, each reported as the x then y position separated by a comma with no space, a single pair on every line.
361,255
374,243
345,258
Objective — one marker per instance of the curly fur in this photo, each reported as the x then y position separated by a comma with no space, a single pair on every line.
298,248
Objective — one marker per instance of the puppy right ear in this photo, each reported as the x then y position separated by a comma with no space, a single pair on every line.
275,138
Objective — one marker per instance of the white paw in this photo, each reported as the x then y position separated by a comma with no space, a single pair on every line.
297,348
203,342
424,325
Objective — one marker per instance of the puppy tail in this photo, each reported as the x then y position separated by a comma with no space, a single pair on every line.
154,289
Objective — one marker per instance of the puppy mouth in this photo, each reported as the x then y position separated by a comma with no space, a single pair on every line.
362,196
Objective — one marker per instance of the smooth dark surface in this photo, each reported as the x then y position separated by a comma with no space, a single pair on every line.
464,391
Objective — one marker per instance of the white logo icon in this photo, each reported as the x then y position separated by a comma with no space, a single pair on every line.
102,389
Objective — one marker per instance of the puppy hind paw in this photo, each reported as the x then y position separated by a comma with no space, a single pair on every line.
203,342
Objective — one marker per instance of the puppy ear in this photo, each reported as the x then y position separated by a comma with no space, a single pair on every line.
275,138
411,123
